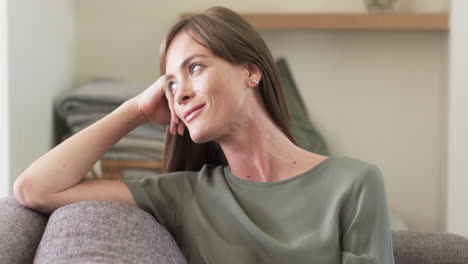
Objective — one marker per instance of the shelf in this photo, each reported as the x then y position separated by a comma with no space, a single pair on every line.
347,21
112,169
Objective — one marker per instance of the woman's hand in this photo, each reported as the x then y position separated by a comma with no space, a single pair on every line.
156,104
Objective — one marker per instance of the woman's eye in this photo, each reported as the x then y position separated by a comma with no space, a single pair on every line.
172,86
194,65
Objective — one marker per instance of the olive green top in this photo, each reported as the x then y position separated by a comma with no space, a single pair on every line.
335,212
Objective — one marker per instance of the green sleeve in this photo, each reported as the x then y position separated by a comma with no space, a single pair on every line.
160,195
364,220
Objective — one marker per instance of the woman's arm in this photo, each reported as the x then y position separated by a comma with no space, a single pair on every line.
53,180
67,164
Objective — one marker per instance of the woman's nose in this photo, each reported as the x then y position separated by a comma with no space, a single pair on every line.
184,94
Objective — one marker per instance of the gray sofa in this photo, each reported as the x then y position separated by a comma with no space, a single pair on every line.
112,232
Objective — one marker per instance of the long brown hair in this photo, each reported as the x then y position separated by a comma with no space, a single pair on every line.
228,36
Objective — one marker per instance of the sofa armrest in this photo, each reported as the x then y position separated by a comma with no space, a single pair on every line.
412,247
105,232
21,230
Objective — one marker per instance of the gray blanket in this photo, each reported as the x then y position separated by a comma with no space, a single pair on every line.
87,104
97,96
149,131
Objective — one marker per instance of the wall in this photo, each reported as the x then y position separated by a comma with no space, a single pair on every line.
4,153
457,215
376,96
41,37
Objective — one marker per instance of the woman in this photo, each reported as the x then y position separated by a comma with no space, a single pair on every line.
235,187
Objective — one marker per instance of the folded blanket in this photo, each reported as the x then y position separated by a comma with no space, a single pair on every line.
79,119
138,174
97,96
148,131
134,148
86,119
131,143
96,171
132,155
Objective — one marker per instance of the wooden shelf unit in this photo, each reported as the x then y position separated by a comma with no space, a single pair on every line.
112,169
347,21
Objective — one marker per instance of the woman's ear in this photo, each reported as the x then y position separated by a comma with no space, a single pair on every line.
254,75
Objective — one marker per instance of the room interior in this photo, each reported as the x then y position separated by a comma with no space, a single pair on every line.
376,89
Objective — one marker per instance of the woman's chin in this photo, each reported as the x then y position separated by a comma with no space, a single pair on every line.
199,137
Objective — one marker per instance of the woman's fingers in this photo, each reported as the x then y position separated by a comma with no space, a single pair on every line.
172,123
169,103
181,128
175,125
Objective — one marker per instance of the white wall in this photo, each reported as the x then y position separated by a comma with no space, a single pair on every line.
376,96
4,144
41,38
457,213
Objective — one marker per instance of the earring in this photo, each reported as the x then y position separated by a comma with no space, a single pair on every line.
255,81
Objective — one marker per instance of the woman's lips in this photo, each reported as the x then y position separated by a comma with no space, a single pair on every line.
194,114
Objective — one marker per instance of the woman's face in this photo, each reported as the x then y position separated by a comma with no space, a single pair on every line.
197,77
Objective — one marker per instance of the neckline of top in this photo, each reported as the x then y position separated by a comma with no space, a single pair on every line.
227,171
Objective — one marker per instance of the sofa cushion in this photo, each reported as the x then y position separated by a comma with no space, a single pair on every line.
413,247
21,229
105,232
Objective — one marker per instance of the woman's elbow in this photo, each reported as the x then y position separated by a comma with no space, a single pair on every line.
25,195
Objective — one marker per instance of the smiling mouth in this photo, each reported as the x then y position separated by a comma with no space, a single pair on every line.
194,114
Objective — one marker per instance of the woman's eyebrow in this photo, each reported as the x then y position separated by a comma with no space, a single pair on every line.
185,62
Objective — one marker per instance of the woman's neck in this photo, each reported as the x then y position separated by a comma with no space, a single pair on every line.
259,151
